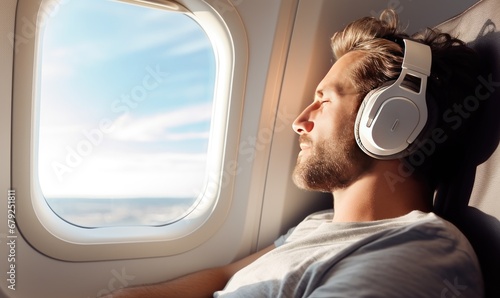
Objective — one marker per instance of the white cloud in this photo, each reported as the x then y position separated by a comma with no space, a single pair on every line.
61,55
188,47
155,128
128,175
64,56
158,37
55,69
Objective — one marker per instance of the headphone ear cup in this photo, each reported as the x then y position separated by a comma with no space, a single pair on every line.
367,101
385,121
361,110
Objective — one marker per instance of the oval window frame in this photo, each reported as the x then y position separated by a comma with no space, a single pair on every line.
58,239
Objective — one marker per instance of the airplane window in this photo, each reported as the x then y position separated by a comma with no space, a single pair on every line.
124,101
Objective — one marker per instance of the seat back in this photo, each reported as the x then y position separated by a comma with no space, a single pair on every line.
471,199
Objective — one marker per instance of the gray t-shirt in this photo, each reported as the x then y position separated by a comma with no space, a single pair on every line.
415,255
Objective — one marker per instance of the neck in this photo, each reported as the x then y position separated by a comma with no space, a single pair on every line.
380,194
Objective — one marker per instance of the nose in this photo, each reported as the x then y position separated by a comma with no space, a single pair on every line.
303,123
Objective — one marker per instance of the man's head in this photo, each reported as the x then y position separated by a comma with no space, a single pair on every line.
368,54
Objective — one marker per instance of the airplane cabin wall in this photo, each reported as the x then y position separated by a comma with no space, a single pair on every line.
7,18
288,55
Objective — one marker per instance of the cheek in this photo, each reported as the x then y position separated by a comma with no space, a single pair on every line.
336,121
341,127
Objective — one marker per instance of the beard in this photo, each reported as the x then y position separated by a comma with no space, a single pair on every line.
331,164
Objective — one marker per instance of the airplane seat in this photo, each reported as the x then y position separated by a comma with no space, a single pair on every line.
471,198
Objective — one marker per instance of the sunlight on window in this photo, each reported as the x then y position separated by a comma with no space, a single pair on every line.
125,98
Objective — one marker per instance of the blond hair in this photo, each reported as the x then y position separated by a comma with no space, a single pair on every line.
378,39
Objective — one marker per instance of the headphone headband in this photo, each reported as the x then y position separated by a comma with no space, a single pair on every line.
417,57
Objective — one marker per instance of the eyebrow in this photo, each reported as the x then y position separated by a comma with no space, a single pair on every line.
339,88
336,87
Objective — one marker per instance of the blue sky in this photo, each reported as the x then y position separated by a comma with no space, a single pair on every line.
147,76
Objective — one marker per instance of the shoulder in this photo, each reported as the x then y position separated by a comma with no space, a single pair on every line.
427,258
433,233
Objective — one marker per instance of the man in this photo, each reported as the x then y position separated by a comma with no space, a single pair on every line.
382,240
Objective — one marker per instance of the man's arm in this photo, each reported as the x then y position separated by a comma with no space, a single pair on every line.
198,284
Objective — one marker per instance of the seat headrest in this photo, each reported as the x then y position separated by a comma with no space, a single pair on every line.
479,27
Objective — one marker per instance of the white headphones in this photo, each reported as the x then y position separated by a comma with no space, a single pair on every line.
392,116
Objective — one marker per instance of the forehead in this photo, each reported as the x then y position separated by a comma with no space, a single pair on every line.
340,76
